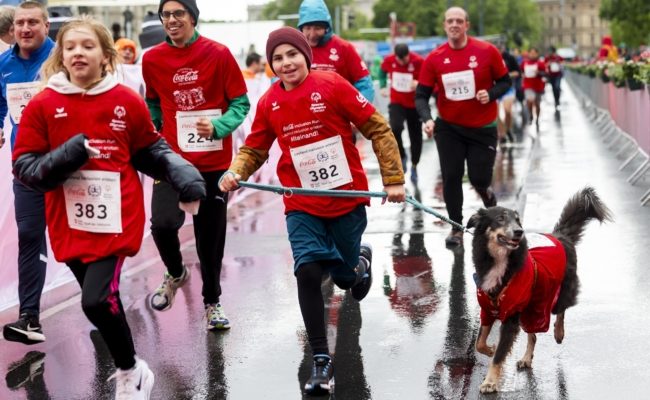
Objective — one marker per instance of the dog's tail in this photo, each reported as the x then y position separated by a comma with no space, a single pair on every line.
578,211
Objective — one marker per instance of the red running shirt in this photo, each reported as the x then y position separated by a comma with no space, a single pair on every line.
401,75
117,123
532,72
457,75
340,56
312,126
201,76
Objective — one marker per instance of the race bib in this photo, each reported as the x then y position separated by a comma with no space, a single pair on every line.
554,67
93,201
322,165
459,85
530,70
188,139
402,82
18,95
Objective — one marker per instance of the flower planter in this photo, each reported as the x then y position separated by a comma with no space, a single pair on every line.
634,84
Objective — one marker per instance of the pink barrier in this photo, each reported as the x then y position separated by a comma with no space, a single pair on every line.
630,109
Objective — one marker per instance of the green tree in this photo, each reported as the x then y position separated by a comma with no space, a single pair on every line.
629,20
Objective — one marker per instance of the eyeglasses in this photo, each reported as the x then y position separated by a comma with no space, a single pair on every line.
178,14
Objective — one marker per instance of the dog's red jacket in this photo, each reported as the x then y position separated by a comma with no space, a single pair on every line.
533,291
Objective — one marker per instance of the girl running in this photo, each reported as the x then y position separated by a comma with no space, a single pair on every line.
80,139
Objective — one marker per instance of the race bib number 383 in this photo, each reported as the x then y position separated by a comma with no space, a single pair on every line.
322,165
459,85
93,201
188,139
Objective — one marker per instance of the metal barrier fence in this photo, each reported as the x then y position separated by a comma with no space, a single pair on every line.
623,118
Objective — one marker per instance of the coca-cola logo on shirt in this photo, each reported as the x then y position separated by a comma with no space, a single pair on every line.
185,76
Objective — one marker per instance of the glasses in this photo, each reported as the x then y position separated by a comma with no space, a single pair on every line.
178,14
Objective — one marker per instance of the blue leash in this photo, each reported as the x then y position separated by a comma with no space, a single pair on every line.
285,191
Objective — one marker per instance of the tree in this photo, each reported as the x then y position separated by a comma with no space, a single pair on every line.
630,20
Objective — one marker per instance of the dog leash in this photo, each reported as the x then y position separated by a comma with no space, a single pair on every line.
291,191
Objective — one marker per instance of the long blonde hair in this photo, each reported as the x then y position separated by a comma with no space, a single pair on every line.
54,63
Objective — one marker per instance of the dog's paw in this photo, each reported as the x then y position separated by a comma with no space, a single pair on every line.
488,387
558,332
485,349
524,363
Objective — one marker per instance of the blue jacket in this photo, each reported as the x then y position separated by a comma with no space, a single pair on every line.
316,11
14,69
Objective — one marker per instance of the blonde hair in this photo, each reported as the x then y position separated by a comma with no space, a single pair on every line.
54,63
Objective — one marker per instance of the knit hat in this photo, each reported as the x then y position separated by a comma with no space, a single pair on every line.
288,35
190,5
124,43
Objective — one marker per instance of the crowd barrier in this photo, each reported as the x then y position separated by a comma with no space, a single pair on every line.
623,116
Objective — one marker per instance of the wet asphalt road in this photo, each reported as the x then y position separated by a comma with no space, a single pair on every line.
413,336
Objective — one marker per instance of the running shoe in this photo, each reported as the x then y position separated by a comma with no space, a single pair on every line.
216,317
135,383
454,239
321,381
25,370
364,271
26,330
163,298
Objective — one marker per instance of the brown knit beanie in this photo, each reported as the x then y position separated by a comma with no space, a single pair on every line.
287,35
190,5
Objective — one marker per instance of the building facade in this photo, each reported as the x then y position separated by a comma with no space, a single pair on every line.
573,23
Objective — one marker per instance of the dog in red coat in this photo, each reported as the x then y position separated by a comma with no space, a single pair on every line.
522,279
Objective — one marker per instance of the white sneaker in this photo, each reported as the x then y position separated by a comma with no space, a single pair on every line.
135,383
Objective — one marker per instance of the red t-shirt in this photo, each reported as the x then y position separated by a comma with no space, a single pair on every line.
400,76
532,72
201,76
312,126
533,291
554,65
459,74
340,56
117,123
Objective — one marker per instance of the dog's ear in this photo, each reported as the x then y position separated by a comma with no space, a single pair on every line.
474,219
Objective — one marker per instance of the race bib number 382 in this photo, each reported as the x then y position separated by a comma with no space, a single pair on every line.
93,201
322,165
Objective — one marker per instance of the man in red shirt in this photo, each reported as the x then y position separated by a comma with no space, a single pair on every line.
403,68
197,97
534,71
554,71
330,52
469,75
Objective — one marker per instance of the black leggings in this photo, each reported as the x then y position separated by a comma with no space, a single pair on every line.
100,301
312,305
455,145
209,231
397,114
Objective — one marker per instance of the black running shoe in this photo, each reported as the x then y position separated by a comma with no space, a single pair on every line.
25,370
26,330
361,289
321,381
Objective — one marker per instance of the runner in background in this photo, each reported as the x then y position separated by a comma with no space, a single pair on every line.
470,75
309,114
196,105
331,53
94,199
554,72
508,98
19,81
403,68
534,71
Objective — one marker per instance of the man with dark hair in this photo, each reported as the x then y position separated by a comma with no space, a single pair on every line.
19,82
470,75
554,72
403,68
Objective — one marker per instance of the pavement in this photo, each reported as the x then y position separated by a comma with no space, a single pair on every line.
413,336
